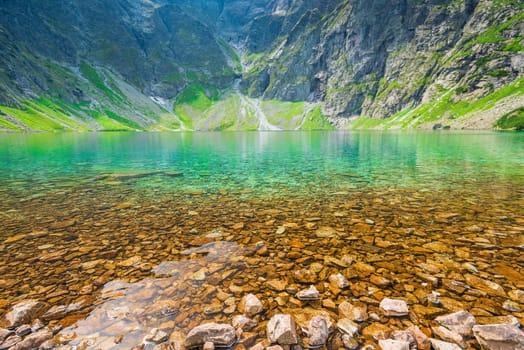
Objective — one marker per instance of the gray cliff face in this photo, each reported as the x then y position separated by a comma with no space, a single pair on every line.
377,58
357,58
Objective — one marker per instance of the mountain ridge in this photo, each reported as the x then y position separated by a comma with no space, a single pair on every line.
244,65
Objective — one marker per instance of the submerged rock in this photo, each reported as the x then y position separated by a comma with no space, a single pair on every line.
394,307
347,327
311,293
461,322
318,331
24,312
33,341
281,330
353,312
218,333
499,337
339,281
442,345
243,322
390,344
250,305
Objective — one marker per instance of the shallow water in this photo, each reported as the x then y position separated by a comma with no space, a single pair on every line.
142,230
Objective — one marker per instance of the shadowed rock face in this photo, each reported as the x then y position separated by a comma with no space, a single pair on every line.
356,57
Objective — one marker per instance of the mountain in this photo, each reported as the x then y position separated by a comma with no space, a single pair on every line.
260,64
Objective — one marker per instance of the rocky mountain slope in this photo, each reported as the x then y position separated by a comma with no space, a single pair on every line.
261,64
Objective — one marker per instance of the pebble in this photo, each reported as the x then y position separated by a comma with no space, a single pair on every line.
347,326
339,281
442,345
281,330
218,333
318,331
24,312
311,293
250,305
460,322
390,344
352,312
499,337
394,307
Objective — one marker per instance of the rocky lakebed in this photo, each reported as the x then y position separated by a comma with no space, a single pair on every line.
104,265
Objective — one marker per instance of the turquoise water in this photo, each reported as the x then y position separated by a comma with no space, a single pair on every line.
135,231
265,161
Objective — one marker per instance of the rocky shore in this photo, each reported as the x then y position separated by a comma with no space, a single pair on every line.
316,329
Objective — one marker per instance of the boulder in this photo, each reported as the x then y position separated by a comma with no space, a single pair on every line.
318,331
460,322
405,336
499,337
394,307
24,312
250,305
281,330
218,333
390,344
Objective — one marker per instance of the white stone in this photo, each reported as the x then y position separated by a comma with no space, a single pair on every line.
339,281
309,294
318,331
460,322
24,312
281,330
250,305
347,326
499,337
218,333
390,344
442,345
394,307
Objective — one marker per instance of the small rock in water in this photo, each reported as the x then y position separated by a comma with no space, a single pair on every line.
450,336
309,294
24,312
200,275
318,331
281,330
23,330
305,276
326,232
250,305
390,344
244,323
33,341
422,339
460,322
352,312
350,342
394,307
499,337
156,336
405,336
348,327
280,230
208,346
442,345
218,333
339,281
511,306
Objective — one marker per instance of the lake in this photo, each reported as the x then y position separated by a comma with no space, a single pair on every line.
119,233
